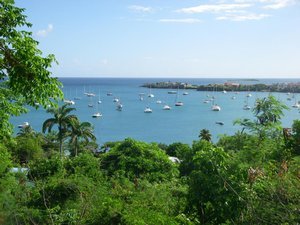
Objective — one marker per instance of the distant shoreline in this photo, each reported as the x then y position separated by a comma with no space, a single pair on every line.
229,86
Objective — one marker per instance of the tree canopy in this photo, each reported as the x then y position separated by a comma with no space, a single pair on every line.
25,77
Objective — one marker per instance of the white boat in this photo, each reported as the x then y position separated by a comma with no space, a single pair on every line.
109,94
70,102
179,103
76,96
99,98
246,107
185,93
141,96
220,122
89,94
119,106
148,110
206,101
166,107
216,107
116,100
296,105
248,95
25,124
224,92
233,97
150,95
95,115
90,105
158,102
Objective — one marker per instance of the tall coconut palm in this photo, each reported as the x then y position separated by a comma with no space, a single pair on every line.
63,121
81,131
205,135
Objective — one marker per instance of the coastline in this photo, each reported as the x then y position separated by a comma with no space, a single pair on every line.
293,87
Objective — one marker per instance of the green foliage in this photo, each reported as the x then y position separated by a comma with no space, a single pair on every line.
213,190
295,142
178,149
80,131
148,203
268,112
24,72
138,160
205,135
27,148
63,120
44,168
5,160
274,197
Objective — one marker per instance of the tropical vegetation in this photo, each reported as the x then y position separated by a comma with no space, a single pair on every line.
64,177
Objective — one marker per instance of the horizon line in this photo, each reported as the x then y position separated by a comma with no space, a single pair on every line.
175,77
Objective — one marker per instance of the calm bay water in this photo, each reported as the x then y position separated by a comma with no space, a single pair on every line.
179,124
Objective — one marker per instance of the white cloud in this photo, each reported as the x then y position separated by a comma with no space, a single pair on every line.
242,17
186,20
278,4
214,8
45,32
139,8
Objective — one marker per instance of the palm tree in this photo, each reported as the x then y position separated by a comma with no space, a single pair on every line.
205,135
26,131
63,121
81,131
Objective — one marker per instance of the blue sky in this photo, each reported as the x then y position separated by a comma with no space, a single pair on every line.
169,38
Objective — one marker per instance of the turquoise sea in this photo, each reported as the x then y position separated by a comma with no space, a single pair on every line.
179,124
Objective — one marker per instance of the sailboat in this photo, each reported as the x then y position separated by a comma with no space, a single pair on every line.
246,106
150,95
296,105
97,114
148,110
99,100
119,106
76,96
185,92
141,96
166,107
178,103
89,94
90,104
116,99
215,107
